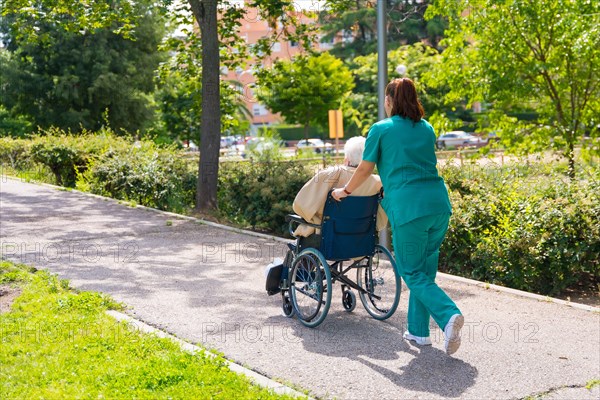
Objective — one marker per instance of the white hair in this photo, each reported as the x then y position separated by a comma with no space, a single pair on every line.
354,148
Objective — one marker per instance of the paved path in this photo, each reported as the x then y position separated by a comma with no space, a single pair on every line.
206,285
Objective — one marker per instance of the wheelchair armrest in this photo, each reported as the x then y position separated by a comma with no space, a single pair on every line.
296,219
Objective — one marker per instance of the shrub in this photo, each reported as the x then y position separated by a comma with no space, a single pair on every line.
145,173
68,156
15,153
532,230
260,194
62,159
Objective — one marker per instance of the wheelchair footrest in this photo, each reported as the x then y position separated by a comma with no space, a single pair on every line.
274,279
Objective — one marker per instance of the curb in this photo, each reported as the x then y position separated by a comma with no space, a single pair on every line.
255,377
455,278
521,293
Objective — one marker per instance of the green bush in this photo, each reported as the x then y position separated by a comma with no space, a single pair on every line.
68,156
145,173
528,229
260,194
15,153
64,161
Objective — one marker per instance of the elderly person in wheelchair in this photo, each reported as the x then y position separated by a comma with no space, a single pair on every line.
333,242
310,200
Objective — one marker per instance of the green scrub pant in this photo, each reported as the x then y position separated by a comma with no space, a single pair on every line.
417,249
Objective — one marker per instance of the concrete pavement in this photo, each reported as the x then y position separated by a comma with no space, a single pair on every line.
206,285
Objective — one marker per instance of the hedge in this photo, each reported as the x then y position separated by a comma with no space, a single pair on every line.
260,194
523,227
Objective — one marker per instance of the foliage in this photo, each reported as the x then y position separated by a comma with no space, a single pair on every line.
260,194
64,161
179,80
72,347
419,59
15,153
106,164
13,125
525,226
541,55
356,21
144,173
65,155
305,88
62,76
296,132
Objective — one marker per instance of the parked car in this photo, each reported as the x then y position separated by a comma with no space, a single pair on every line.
315,144
227,141
458,139
259,145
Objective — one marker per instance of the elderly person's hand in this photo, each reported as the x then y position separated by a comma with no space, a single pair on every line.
339,193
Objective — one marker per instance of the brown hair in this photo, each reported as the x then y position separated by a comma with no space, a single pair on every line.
405,101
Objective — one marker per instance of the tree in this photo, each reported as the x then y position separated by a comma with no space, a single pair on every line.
542,54
305,88
419,60
179,81
75,79
218,36
356,20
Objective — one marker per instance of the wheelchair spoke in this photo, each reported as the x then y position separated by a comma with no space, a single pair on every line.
380,284
309,284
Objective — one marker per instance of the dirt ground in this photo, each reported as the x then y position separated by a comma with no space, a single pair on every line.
8,294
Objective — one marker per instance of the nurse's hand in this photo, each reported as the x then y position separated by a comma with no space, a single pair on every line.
339,194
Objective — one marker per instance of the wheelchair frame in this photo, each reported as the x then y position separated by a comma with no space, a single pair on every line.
308,276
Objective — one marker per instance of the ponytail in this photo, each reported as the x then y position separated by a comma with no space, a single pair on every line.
405,101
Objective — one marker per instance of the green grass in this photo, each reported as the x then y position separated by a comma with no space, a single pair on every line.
57,343
593,383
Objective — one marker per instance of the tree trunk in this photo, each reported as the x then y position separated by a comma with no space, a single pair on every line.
205,12
306,132
571,154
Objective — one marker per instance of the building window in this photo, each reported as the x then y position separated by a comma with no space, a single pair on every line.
276,47
293,43
258,110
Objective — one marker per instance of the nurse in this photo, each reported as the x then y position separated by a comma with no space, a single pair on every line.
417,204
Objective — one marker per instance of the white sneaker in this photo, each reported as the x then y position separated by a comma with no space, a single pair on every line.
452,333
420,340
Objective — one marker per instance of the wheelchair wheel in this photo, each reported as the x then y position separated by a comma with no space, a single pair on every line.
382,283
286,306
348,300
310,287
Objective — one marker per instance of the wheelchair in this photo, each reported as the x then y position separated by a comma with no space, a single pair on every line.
345,245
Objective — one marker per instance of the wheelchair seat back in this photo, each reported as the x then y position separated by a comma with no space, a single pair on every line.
349,227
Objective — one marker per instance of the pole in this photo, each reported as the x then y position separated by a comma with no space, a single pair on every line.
384,235
381,56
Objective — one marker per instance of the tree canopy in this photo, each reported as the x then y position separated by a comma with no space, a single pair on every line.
356,21
541,55
73,74
305,88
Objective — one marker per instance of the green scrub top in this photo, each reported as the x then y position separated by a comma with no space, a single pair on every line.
404,152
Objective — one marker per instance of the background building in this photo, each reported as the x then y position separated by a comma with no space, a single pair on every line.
253,28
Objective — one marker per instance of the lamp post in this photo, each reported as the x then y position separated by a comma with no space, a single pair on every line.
381,57
401,70
382,78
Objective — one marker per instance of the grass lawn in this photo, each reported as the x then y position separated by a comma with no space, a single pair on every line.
57,343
